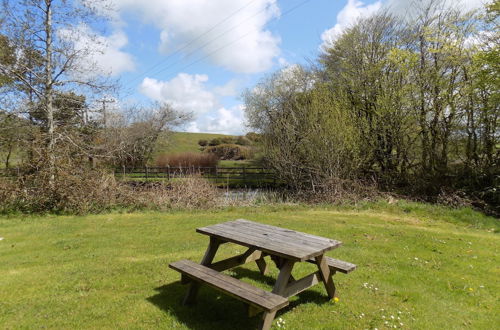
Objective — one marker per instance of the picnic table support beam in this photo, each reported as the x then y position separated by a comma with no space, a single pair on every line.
250,255
209,256
326,275
279,288
262,264
302,284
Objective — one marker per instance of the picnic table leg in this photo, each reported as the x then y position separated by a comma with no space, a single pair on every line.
261,263
326,275
213,245
279,288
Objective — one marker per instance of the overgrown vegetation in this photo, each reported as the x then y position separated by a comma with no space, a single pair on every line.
410,104
187,159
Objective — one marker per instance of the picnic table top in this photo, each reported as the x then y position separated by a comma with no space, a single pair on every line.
278,241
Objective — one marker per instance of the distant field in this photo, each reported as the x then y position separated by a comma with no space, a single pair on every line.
188,142
182,142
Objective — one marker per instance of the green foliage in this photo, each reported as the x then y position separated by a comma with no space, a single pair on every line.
409,104
202,143
230,151
215,142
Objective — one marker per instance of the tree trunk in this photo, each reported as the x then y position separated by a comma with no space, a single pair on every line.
49,107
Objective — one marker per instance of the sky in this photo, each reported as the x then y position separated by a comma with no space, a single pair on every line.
200,55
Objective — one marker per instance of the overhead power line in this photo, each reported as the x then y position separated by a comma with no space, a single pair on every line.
232,42
217,37
178,50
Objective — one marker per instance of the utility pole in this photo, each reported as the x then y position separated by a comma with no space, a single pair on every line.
104,111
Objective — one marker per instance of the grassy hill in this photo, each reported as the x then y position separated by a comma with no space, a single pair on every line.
177,142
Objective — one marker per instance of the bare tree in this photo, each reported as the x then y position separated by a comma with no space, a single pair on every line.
48,62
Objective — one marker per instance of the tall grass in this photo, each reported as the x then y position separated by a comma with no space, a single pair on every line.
187,159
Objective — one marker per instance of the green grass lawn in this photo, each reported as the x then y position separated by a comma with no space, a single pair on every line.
420,266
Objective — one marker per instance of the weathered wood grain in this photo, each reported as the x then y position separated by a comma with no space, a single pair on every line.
337,265
243,291
270,239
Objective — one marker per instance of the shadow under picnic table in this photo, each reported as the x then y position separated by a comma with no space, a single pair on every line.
215,310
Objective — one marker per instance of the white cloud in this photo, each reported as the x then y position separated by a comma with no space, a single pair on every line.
241,42
99,55
353,11
223,121
228,89
185,92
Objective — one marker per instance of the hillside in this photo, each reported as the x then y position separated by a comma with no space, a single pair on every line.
182,142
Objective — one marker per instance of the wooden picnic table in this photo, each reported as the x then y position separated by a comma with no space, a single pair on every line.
285,248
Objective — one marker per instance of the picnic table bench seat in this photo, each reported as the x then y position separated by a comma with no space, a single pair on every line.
338,265
245,292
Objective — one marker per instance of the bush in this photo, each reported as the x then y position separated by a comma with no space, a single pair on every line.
84,190
243,141
253,137
75,190
214,142
202,143
187,159
230,151
187,193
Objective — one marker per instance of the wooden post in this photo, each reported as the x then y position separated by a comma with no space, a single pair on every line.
279,289
326,275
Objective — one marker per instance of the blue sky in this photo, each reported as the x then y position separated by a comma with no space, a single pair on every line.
199,55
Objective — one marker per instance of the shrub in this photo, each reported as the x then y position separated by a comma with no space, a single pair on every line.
254,137
75,190
187,159
187,193
215,142
202,143
243,141
227,140
230,151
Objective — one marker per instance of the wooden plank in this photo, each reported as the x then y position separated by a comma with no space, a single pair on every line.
337,265
286,235
231,286
261,243
270,235
326,276
287,232
302,284
279,288
209,256
245,238
262,264
249,256
275,240
192,269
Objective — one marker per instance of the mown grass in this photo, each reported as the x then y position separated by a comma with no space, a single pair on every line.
424,266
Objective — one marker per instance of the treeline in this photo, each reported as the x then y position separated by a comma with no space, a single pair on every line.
410,104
